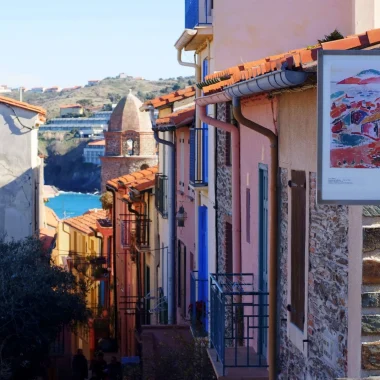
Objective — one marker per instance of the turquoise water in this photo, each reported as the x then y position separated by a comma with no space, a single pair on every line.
68,205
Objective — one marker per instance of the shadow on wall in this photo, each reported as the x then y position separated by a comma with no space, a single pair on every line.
19,203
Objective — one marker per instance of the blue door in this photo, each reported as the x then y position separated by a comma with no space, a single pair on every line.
203,260
263,256
205,134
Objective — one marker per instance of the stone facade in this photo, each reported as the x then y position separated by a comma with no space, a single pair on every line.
327,290
113,167
223,190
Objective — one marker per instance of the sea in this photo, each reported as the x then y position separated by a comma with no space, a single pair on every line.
70,204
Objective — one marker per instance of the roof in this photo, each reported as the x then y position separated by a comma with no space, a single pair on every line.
71,106
172,97
26,106
47,238
127,116
371,211
295,59
178,118
87,221
100,143
141,180
52,219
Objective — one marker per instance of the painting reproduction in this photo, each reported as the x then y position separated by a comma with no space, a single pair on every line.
354,117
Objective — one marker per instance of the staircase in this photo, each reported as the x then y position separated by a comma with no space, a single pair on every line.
371,292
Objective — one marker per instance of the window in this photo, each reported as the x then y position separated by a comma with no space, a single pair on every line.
248,214
182,161
298,241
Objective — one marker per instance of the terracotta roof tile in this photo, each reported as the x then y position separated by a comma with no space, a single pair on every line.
71,106
100,143
171,98
23,105
141,180
178,118
293,59
47,237
87,221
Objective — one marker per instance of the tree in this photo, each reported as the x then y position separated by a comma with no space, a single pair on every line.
107,107
85,102
176,87
37,300
113,97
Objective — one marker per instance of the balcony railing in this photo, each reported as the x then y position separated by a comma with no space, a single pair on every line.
135,231
198,308
197,12
239,320
161,195
199,156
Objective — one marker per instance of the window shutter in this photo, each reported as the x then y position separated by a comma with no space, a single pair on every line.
205,153
298,239
192,155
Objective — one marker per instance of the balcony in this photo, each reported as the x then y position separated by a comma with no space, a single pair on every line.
198,13
161,194
198,308
239,324
199,156
135,231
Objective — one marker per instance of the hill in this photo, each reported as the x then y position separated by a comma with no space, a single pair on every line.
107,91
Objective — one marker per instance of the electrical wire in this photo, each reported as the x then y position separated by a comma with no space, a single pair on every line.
18,119
99,254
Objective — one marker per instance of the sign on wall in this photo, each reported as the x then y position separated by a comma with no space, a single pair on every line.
348,127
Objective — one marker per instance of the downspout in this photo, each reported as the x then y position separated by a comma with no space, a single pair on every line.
198,77
114,263
172,220
273,229
235,142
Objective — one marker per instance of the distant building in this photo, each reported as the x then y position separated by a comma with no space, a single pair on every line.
53,89
4,88
37,89
93,82
66,124
93,151
66,89
122,76
71,109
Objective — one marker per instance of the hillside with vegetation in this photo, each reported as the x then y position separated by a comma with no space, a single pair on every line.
108,91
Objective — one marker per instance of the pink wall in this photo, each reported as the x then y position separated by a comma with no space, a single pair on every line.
254,149
185,234
251,29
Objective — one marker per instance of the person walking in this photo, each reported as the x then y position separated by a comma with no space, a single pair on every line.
114,369
98,367
80,366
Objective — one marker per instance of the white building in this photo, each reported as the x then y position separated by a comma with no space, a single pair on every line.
93,151
37,89
93,82
4,88
21,170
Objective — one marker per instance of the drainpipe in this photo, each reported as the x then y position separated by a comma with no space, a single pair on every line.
235,142
114,263
273,229
171,219
198,76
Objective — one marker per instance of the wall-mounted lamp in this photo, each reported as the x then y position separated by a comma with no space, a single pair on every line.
181,217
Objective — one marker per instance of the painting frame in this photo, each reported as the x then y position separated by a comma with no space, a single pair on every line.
347,185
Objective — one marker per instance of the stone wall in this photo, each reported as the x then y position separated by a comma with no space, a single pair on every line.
113,167
113,143
327,289
223,190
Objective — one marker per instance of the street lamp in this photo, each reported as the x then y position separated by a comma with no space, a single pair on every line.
181,217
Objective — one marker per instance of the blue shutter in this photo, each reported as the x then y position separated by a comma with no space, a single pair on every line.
192,156
102,293
203,258
205,153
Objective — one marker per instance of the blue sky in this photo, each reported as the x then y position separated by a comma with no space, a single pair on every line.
67,42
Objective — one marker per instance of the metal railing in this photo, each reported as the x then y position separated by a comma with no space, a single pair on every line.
239,320
198,308
135,231
161,195
199,156
197,12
